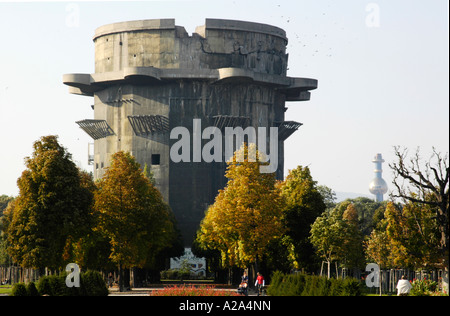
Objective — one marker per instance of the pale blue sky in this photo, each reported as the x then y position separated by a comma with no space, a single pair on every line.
378,86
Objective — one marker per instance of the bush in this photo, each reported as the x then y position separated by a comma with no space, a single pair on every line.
32,290
19,289
171,274
351,287
51,285
175,274
91,284
312,285
423,287
43,286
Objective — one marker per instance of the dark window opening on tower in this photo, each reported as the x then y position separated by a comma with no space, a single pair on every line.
156,159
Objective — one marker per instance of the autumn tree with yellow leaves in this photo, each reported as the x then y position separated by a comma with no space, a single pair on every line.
131,214
246,214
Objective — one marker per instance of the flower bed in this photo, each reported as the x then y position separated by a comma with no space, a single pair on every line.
189,290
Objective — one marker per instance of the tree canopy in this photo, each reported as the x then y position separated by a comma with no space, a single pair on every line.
246,215
408,236
52,208
426,184
304,203
336,236
131,213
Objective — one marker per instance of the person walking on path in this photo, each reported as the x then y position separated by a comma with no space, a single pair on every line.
260,283
403,286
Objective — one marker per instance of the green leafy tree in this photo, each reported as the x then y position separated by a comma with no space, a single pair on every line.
327,236
328,195
353,254
52,209
131,214
148,173
366,209
336,237
304,203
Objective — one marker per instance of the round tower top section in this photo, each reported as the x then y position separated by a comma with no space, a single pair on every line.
215,45
378,186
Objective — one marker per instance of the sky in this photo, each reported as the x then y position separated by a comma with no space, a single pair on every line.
382,67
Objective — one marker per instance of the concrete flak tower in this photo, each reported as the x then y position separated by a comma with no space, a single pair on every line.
152,77
378,186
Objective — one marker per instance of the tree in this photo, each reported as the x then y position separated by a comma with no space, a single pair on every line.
326,236
428,184
412,236
353,253
378,249
52,209
366,209
328,195
131,214
407,236
246,215
336,237
5,220
148,173
304,203
4,200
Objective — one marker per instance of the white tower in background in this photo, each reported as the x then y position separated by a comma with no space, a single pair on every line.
378,186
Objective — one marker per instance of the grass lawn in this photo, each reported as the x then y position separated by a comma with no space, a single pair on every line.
5,289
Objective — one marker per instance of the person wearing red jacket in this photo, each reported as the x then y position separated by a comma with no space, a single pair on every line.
260,283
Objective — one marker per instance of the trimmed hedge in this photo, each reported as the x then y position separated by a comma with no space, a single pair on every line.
91,284
175,274
312,285
19,289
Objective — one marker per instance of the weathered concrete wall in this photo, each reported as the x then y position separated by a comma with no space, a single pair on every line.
217,44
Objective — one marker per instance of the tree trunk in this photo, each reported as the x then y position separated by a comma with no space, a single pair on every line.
126,279
381,278
329,269
120,278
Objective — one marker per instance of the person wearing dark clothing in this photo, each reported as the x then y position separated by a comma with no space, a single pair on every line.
243,287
